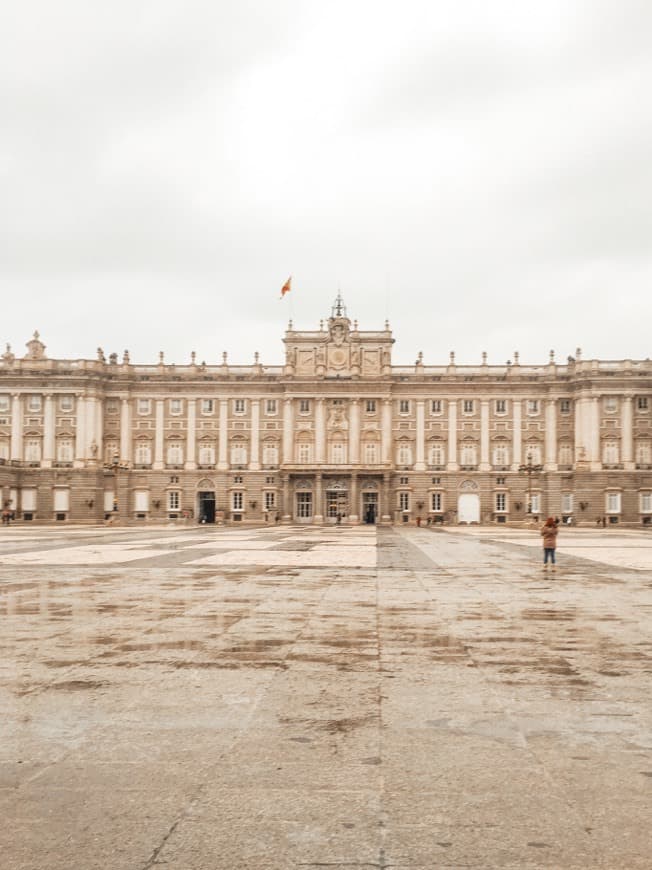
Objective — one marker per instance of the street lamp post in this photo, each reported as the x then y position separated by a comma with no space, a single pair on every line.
115,466
530,468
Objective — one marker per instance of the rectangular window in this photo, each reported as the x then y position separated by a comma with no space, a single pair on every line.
34,403
435,406
642,403
535,503
143,406
646,502
304,505
270,500
111,406
238,406
533,406
501,406
404,501
174,500
270,406
4,404
237,478
61,499
403,481
237,500
371,406
467,406
141,500
613,502
176,406
207,406
304,406
567,502
500,481
66,403
501,501
404,406
565,406
28,499
436,481
436,501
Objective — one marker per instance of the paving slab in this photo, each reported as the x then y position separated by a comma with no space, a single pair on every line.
303,697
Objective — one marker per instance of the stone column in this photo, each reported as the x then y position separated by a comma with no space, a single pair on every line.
580,449
627,435
287,507
354,433
16,427
318,515
99,428
485,464
320,431
385,508
517,433
288,431
80,432
159,434
125,431
223,445
593,408
254,459
386,431
551,436
451,449
420,464
354,516
191,436
48,432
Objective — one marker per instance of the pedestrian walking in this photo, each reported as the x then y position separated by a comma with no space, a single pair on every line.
549,534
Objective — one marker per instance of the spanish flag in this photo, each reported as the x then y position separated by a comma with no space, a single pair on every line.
286,287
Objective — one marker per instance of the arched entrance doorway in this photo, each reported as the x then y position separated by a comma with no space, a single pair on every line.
206,501
468,508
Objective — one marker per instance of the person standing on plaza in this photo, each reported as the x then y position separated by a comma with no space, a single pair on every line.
549,534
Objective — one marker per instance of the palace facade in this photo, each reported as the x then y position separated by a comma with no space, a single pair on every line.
336,434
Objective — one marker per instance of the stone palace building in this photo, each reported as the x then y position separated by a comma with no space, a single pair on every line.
336,434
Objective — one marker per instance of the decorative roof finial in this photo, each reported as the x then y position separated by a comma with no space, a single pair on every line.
339,308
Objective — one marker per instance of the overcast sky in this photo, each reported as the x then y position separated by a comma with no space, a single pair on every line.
478,172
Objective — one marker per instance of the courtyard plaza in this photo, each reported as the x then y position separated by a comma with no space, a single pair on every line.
197,698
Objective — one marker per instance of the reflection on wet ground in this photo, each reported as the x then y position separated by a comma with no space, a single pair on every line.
299,697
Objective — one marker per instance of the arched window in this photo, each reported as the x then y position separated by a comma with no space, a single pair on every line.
110,450
370,453
33,449
65,449
206,454
565,454
143,453
469,454
175,453
437,453
501,454
610,453
238,452
404,453
270,453
643,453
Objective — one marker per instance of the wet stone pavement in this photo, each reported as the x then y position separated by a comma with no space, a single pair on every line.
204,698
